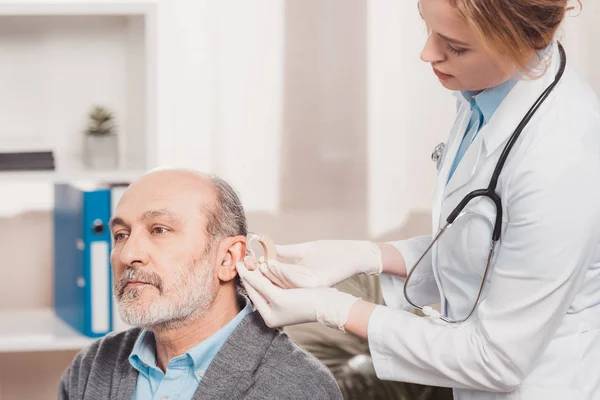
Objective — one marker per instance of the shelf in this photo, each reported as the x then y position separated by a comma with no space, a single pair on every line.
72,172
37,330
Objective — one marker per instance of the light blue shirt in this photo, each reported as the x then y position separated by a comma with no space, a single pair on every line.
184,373
483,106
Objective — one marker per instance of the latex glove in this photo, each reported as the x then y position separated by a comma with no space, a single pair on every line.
322,263
282,307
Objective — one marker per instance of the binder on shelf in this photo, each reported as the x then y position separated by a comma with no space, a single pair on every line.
82,246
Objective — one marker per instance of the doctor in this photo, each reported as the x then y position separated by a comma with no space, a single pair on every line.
528,127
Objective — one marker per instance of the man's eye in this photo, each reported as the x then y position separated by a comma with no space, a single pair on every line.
159,230
119,236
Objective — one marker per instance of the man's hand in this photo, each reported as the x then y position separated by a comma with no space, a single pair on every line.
282,307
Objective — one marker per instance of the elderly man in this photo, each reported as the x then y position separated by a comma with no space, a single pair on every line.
177,236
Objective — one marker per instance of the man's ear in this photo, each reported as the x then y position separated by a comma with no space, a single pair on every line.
232,250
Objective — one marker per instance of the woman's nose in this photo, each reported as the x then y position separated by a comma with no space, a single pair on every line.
432,53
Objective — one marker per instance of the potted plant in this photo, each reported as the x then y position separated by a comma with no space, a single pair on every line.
101,146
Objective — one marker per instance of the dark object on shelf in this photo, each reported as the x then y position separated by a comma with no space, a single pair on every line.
27,161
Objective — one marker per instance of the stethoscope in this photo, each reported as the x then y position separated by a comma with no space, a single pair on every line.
489,192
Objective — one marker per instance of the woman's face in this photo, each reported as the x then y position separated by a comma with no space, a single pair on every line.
458,58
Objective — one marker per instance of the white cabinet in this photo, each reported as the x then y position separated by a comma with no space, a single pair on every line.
57,61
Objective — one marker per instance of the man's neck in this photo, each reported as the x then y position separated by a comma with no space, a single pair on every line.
175,342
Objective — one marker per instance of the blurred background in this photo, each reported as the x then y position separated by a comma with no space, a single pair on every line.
319,112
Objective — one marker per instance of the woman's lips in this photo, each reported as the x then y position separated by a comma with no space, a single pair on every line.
441,75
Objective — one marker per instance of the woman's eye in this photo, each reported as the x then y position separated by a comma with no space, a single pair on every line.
455,51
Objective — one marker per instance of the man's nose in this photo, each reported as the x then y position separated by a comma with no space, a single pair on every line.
134,251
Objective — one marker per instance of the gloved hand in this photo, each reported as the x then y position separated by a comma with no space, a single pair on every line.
322,263
282,307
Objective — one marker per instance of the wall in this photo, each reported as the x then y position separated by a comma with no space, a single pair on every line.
219,92
325,114
84,59
408,114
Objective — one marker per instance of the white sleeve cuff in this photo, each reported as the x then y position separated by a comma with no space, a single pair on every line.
382,360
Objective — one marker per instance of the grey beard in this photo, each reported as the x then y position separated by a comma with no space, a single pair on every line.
175,307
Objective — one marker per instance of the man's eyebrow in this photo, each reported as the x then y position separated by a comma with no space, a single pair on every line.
150,214
160,213
455,41
117,221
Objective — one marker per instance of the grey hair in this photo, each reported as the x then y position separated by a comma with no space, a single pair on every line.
225,218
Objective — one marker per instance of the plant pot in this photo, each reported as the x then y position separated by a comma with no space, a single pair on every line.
101,151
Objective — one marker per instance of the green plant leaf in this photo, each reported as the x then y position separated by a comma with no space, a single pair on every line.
101,121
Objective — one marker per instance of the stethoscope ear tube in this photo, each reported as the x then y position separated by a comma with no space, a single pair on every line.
480,193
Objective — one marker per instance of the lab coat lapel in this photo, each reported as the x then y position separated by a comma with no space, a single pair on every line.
460,125
454,138
501,126
520,99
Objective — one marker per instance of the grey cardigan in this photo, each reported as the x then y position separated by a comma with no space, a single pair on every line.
256,362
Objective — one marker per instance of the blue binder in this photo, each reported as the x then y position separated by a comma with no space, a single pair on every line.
82,271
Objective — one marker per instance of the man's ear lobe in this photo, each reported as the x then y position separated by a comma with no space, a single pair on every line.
227,270
234,252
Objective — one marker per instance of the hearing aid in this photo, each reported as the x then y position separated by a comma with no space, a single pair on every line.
268,247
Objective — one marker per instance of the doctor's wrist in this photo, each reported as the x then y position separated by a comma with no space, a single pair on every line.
392,260
359,317
334,308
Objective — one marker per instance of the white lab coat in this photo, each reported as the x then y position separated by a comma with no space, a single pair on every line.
536,333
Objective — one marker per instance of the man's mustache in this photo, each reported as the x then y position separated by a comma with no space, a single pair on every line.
138,275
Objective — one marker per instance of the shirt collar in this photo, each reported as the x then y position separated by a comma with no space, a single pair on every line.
143,354
489,99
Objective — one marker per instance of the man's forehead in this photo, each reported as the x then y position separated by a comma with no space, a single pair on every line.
181,197
130,216
171,208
